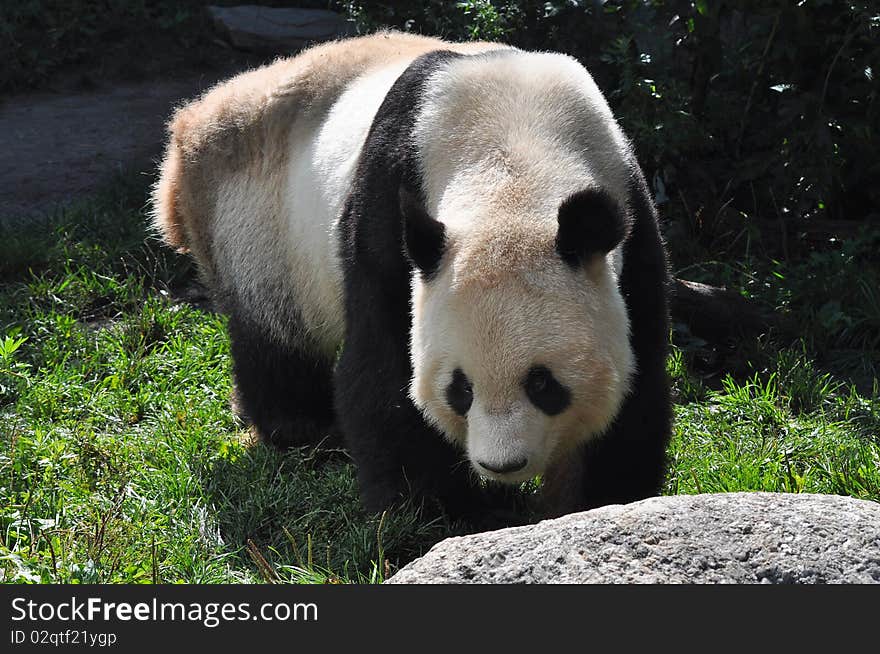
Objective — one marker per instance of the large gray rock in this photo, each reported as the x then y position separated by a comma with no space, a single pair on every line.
724,538
274,29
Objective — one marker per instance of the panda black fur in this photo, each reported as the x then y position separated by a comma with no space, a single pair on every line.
339,196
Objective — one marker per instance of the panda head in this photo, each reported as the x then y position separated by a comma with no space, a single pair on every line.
520,337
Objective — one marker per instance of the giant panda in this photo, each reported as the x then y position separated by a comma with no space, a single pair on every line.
448,251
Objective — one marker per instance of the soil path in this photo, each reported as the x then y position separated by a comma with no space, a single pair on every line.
55,147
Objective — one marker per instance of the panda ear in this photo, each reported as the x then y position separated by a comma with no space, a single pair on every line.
424,239
590,223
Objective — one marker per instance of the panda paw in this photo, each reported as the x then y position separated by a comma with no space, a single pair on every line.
288,434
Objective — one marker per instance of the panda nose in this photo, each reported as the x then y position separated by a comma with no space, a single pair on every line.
504,468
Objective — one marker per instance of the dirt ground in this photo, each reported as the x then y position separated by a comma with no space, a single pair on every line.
55,147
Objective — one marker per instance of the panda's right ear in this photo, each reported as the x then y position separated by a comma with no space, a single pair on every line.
590,223
424,239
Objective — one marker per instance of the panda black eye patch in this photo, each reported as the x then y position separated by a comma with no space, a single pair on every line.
460,393
545,392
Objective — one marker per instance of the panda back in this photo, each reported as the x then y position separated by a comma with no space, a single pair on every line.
256,171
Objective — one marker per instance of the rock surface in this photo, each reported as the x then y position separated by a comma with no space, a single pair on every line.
273,29
723,538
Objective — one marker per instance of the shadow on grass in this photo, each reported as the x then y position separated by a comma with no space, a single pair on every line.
296,516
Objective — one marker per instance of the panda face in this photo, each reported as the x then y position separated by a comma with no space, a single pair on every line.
522,367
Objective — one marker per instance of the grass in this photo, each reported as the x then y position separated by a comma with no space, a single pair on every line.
783,432
120,460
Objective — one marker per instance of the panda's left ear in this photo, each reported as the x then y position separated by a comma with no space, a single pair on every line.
590,223
424,239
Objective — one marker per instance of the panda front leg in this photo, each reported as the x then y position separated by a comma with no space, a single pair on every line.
284,391
624,465
397,454
629,462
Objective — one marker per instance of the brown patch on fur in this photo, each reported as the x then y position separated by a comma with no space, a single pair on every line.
491,254
165,201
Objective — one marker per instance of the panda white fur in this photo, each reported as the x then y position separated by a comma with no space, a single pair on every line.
471,223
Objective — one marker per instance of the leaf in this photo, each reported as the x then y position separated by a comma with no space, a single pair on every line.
9,344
